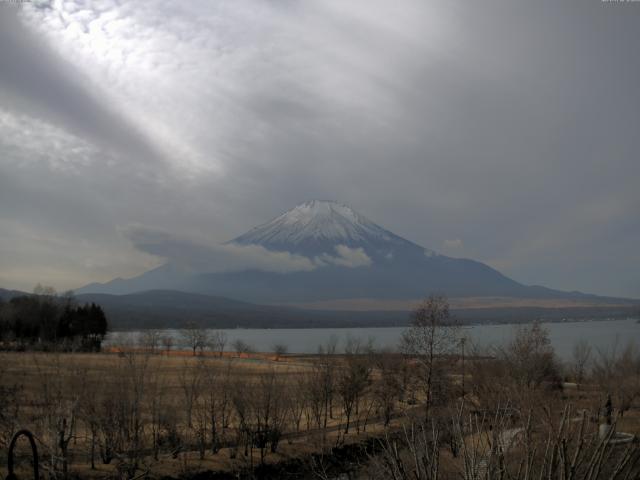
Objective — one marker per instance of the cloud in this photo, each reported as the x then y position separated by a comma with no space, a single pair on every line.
32,141
209,258
212,117
46,85
347,257
201,256
453,244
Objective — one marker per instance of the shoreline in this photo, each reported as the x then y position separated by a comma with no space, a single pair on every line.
374,326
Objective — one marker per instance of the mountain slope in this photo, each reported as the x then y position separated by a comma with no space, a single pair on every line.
350,257
172,309
6,295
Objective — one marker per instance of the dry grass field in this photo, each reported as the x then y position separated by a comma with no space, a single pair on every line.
131,413
172,402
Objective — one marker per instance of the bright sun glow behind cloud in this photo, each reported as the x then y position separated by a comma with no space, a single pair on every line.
180,81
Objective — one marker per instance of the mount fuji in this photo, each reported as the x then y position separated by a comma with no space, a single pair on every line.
340,255
319,227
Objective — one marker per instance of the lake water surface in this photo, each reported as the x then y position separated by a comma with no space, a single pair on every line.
600,334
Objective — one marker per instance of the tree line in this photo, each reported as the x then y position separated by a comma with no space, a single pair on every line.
46,320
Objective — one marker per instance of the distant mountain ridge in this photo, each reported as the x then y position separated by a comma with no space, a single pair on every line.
159,309
351,257
7,295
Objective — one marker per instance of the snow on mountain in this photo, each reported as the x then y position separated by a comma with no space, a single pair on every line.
315,219
350,257
320,227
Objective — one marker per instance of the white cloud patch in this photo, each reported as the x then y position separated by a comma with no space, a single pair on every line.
200,256
30,142
347,257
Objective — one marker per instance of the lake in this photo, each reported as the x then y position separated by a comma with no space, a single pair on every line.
600,334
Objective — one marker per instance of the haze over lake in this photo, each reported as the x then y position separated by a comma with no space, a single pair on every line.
601,335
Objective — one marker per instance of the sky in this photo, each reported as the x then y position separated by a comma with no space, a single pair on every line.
507,132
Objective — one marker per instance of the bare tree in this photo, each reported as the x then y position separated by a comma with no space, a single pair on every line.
167,343
531,358
156,404
61,399
261,413
353,378
315,387
191,379
216,395
201,420
241,406
195,337
581,358
150,340
431,335
565,447
387,388
240,346
131,384
298,399
218,341
90,415
618,374
10,410
326,376
520,374
489,380
279,349
226,382
212,399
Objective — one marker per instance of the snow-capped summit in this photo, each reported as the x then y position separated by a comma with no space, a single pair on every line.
319,226
319,219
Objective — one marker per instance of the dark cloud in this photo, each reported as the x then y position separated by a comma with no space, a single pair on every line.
502,131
